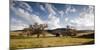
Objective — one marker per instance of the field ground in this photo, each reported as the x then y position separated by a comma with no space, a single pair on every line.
49,41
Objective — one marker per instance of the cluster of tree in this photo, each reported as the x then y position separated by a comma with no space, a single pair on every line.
71,31
68,32
39,29
35,29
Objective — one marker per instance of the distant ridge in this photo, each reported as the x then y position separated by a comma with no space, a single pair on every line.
60,30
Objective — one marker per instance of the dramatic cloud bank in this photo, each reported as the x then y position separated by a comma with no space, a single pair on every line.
85,21
23,14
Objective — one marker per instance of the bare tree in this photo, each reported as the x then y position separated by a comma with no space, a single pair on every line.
27,31
40,29
36,29
71,31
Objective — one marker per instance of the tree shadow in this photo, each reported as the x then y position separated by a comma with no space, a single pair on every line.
90,42
92,36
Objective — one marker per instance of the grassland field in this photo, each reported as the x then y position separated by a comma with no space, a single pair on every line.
17,42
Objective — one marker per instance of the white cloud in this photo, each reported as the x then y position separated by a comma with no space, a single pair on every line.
37,19
25,6
84,21
17,24
91,9
32,18
61,13
70,9
42,8
24,14
17,27
50,9
53,22
73,10
66,19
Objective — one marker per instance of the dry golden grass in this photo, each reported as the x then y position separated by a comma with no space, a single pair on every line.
46,42
33,42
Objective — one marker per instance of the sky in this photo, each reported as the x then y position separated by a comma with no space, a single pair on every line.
56,15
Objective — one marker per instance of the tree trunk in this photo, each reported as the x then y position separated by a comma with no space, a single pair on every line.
44,35
38,35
